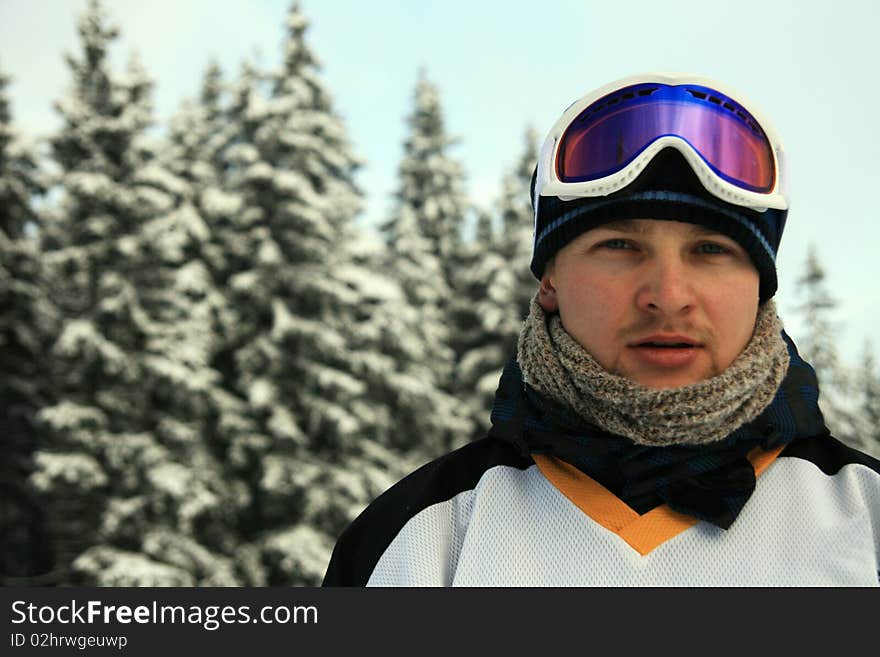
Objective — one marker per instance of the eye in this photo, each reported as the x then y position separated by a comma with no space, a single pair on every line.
712,248
615,244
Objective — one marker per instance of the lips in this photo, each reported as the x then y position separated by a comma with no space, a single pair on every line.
667,351
666,341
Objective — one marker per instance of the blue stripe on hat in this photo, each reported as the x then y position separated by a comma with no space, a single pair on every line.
661,195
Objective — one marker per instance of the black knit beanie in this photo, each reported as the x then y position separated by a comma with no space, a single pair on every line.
667,189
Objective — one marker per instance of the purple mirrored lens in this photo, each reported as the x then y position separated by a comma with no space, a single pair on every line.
611,132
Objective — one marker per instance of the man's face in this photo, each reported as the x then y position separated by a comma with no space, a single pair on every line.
662,303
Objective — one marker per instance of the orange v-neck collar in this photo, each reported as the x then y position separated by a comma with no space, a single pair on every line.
642,532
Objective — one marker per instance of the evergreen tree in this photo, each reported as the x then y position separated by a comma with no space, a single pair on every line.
494,290
431,182
479,309
205,241
869,411
125,506
423,235
200,135
196,414
817,345
310,460
517,234
27,322
196,134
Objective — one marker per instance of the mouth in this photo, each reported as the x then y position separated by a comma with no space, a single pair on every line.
666,342
666,352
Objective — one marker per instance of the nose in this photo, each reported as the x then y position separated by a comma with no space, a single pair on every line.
667,286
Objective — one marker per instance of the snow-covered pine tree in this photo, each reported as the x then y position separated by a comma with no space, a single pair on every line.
480,306
81,236
818,346
494,289
206,243
196,133
190,235
27,324
431,181
125,506
198,137
517,234
310,463
196,416
868,390
423,237
382,337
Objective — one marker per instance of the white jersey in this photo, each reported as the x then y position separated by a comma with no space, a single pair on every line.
485,515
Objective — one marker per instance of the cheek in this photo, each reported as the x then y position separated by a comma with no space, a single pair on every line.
735,317
587,287
592,315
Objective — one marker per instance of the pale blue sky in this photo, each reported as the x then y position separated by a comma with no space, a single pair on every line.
811,67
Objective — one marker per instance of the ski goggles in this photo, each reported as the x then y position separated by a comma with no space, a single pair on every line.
604,140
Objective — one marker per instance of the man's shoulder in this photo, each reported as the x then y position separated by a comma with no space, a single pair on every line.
362,543
445,477
830,454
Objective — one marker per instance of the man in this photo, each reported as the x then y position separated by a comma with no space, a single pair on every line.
657,426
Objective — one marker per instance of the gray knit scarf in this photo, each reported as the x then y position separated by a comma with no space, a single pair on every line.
557,366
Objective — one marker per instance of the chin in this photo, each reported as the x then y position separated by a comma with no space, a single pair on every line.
664,384
669,377
663,381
